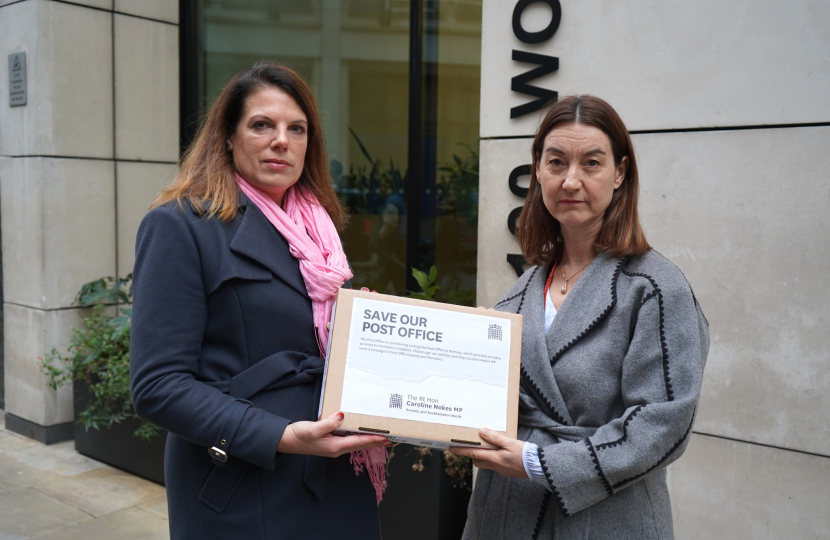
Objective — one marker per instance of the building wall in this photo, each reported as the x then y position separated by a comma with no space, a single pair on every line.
727,105
79,164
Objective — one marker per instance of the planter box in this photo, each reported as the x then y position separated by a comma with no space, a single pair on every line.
117,446
420,505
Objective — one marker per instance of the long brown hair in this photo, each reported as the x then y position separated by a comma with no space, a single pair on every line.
539,233
206,172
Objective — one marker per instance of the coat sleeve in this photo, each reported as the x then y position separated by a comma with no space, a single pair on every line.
662,373
168,326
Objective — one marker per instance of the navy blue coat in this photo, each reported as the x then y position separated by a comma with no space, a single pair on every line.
223,354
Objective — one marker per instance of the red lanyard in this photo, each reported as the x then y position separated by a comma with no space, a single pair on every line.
547,283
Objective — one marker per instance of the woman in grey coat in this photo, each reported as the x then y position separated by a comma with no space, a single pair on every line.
613,349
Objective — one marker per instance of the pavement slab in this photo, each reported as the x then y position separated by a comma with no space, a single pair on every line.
102,491
127,524
28,513
58,458
56,493
156,506
12,441
16,474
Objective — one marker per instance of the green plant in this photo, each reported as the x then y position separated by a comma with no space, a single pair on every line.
429,289
458,185
461,297
367,190
99,355
427,284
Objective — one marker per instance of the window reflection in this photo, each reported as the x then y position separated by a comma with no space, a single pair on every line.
355,55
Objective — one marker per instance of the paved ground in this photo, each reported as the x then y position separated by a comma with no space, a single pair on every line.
52,492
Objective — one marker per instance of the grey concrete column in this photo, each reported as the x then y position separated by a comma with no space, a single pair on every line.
57,193
146,114
62,219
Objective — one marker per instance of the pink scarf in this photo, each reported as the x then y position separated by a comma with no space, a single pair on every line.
313,240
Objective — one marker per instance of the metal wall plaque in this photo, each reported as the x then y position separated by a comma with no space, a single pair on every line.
17,79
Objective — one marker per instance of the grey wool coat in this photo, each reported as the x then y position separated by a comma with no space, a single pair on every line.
609,395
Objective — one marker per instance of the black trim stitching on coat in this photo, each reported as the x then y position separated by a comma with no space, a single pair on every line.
541,516
532,388
663,345
506,300
596,321
649,296
624,437
522,294
559,501
662,459
597,466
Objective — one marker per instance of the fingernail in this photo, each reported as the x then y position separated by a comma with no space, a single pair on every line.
364,288
485,431
388,444
341,416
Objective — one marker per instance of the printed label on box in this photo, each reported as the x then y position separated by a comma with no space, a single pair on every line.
422,364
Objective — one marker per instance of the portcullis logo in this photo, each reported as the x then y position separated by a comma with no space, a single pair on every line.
494,332
396,401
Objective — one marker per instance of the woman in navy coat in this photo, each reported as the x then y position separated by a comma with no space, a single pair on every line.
224,353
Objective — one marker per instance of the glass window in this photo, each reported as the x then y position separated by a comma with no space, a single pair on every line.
452,53
356,56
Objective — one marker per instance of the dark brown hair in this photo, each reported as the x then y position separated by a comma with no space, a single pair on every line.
539,233
206,172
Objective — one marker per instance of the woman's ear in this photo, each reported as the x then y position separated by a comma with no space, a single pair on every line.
622,168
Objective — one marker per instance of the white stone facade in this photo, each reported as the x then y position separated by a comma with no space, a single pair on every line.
727,104
79,164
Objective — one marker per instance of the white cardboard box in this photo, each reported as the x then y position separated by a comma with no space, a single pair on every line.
420,372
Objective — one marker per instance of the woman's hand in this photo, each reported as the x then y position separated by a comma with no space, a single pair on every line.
316,439
505,460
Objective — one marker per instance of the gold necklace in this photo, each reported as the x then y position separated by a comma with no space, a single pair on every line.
564,288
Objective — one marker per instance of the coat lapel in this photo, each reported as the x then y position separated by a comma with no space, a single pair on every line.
258,240
537,377
589,302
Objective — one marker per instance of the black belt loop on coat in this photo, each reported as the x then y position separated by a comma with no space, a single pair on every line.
224,439
221,484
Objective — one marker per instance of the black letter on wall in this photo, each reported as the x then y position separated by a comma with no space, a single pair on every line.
542,35
513,181
512,219
519,83
516,261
